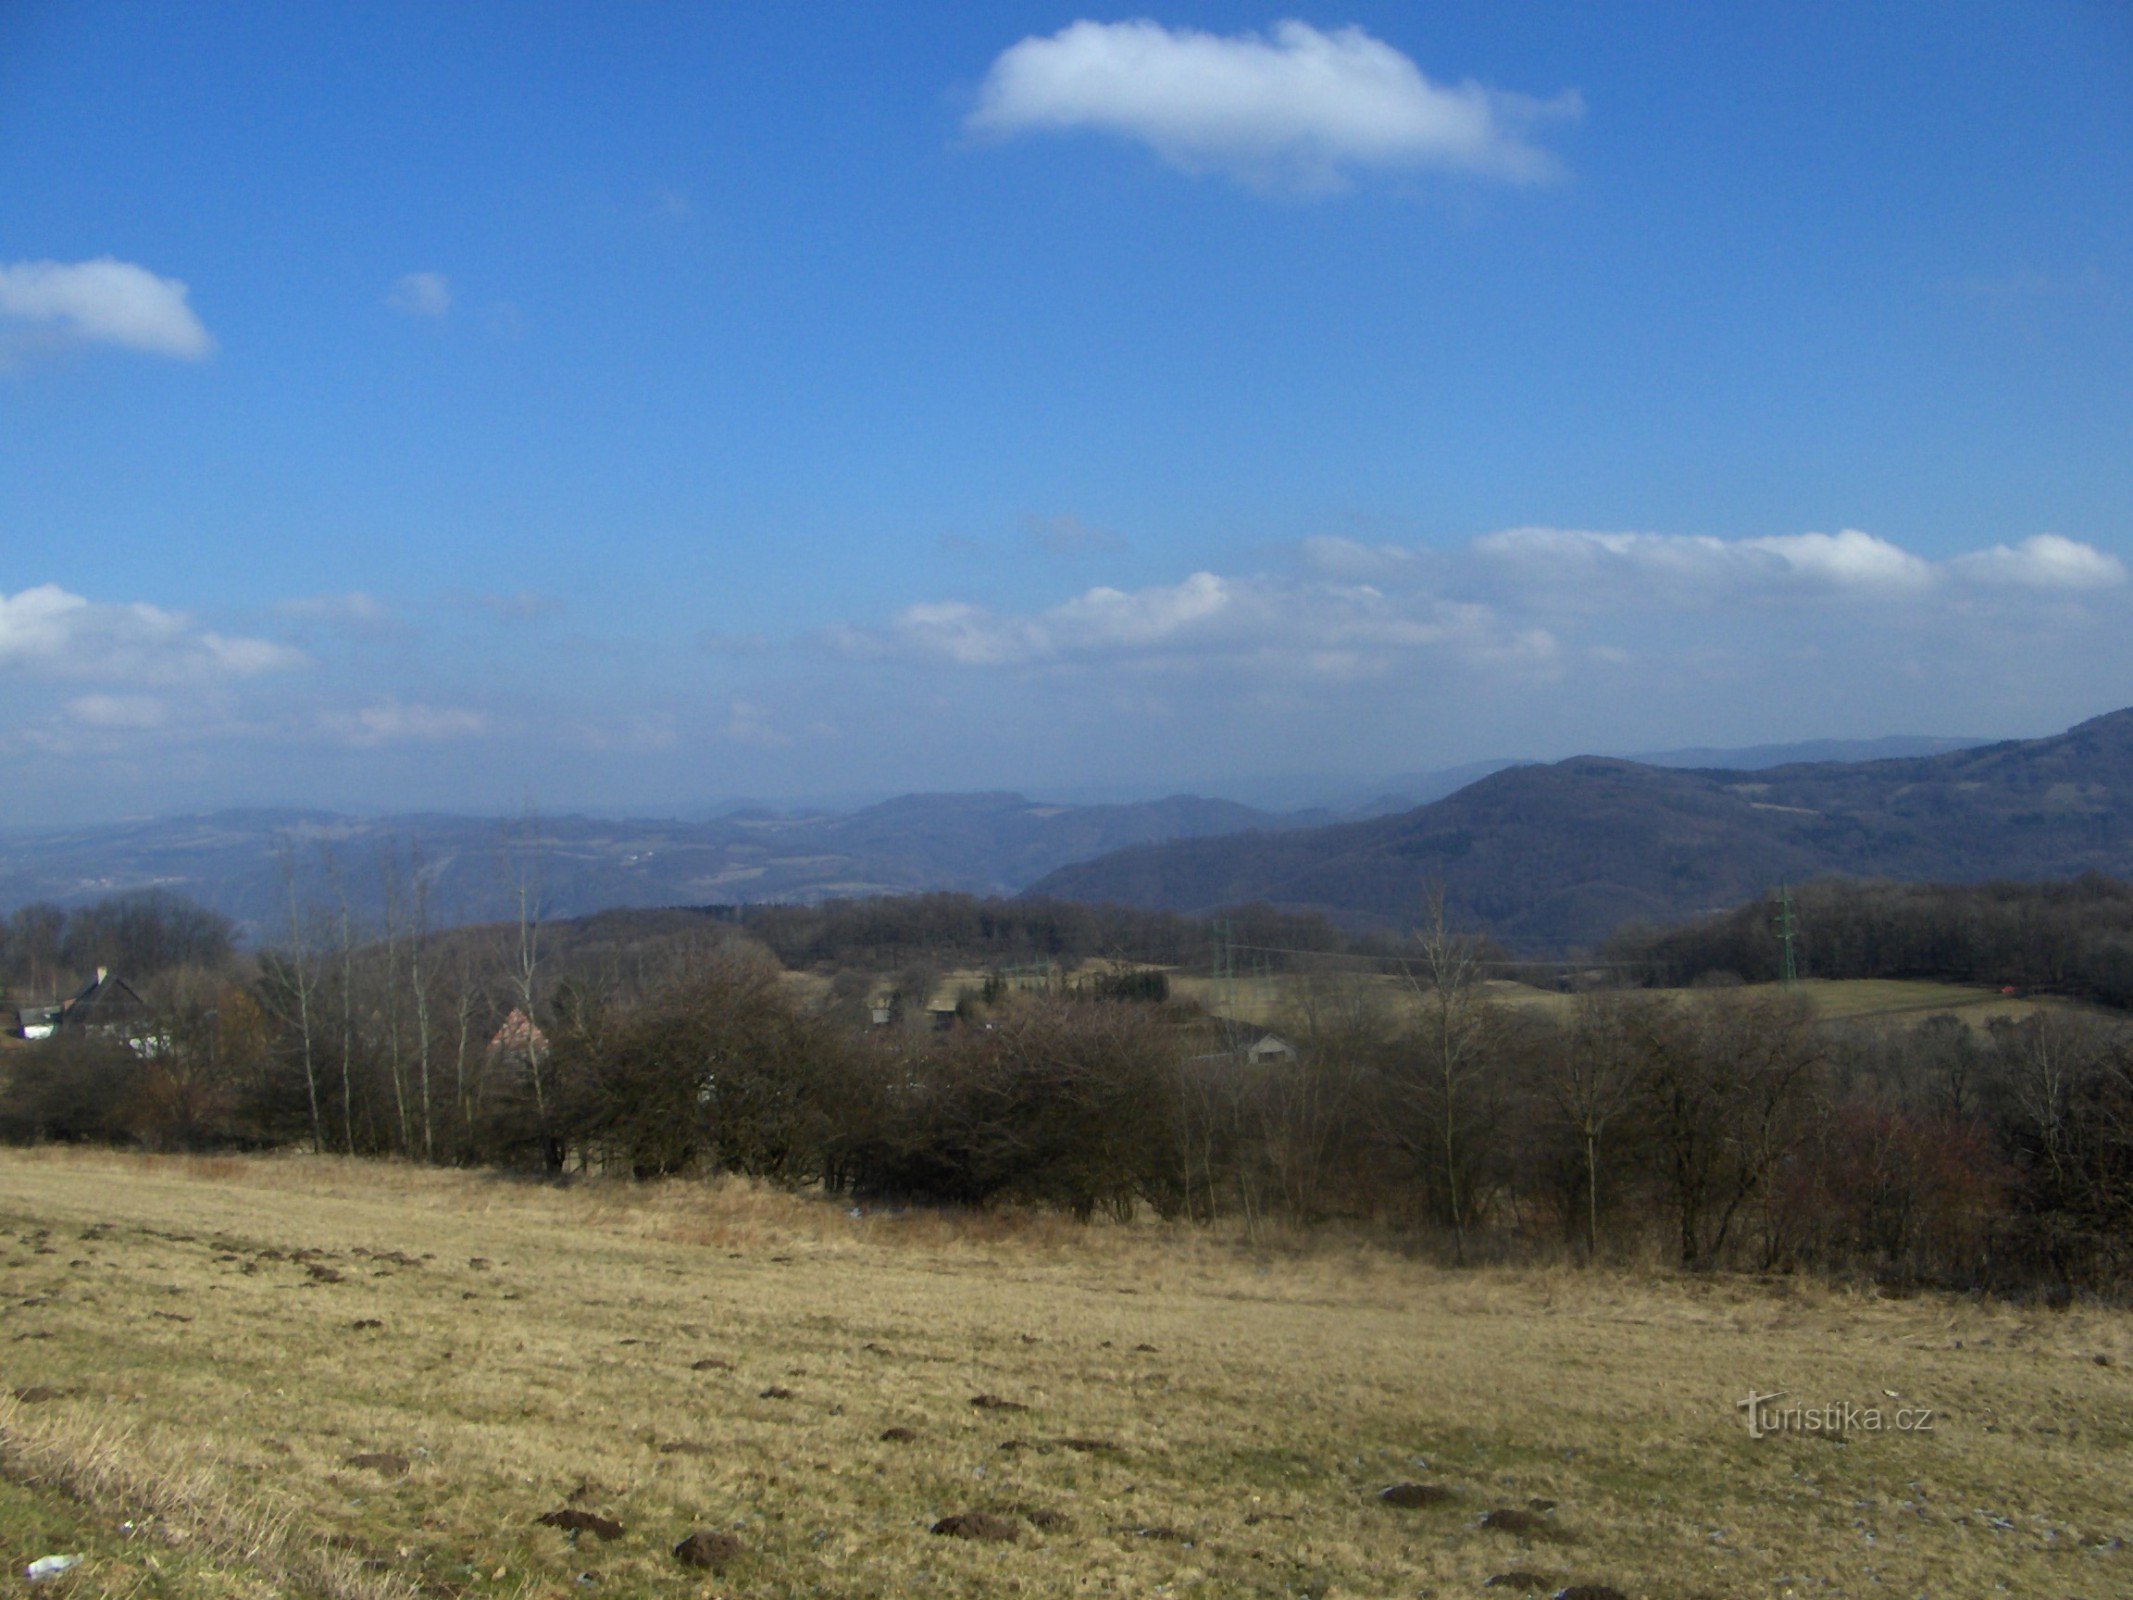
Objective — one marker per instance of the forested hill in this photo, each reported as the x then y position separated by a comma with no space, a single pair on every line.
1548,857
233,861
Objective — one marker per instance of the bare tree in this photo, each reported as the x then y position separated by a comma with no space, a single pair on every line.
301,984
1589,1079
1450,1041
523,860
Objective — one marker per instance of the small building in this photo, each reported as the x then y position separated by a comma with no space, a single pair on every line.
519,1039
106,1004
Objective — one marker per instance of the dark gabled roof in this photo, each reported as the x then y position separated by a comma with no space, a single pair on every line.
103,1001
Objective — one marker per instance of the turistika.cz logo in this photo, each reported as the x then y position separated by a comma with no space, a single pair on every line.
1767,1416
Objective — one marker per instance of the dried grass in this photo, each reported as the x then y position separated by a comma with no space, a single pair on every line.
613,1348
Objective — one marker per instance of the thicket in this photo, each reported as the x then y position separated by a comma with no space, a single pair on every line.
2072,937
1718,1128
887,932
46,949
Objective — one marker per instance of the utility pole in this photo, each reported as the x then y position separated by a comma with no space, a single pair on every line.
1789,967
1225,972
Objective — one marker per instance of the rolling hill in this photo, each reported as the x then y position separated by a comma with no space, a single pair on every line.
1550,857
231,861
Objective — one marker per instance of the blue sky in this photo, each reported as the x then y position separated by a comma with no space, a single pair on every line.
634,406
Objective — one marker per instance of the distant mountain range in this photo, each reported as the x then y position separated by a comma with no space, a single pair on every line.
979,843
1550,857
1405,792
232,860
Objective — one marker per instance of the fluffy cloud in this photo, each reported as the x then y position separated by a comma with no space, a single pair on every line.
1299,109
48,632
1522,601
422,294
104,302
1680,569
1264,623
2042,561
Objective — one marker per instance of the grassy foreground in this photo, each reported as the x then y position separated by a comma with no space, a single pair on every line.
198,1349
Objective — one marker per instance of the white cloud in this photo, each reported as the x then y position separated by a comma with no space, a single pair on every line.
1846,560
51,633
1299,109
392,722
1263,624
2043,561
422,294
1682,568
104,301
1524,600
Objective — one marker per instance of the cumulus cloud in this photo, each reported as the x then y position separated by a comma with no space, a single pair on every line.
1521,602
104,301
422,294
48,632
1680,569
2043,561
1297,109
1263,622
1686,567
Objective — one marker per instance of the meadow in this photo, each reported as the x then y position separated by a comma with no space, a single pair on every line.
253,1376
1270,999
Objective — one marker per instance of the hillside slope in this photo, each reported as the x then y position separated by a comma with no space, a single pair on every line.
1553,856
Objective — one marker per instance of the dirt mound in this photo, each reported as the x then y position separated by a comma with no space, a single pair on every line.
1416,1494
898,1435
1520,1579
979,1525
1159,1532
706,1548
574,1522
776,1391
686,1447
380,1461
321,1274
362,1323
1516,1519
1591,1591
38,1393
1049,1520
1083,1446
711,1364
993,1402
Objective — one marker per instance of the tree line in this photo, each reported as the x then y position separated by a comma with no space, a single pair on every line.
1719,1127
2071,937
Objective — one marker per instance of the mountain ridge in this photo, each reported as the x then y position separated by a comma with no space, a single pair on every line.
1556,855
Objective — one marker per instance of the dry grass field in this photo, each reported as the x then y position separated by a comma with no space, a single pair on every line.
1266,1001
273,1376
